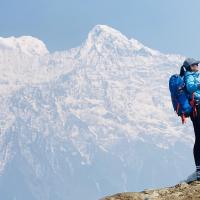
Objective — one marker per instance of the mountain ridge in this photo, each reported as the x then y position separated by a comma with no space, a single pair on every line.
24,44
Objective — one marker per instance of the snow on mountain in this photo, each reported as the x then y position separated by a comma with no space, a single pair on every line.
26,60
89,122
104,41
25,44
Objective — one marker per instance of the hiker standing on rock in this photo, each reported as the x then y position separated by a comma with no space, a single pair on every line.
190,72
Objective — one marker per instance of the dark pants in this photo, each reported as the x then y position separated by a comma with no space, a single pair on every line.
196,125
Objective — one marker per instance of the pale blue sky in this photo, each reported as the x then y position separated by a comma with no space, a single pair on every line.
171,26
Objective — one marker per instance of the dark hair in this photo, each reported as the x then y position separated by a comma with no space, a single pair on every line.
184,69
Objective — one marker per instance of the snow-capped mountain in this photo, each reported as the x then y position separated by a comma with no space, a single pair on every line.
90,121
26,44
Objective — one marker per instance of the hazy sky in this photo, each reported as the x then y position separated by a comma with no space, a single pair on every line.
171,26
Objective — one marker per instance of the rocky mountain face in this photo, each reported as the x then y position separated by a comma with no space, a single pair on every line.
181,191
88,122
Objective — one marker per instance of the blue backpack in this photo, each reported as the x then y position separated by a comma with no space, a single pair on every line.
180,97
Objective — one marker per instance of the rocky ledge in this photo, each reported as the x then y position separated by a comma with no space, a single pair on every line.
182,191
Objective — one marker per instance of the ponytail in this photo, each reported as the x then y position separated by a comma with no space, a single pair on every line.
182,70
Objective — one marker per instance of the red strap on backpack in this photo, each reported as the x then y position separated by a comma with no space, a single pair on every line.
192,103
183,118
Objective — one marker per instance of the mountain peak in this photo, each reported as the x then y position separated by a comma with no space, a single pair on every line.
105,40
104,29
105,34
25,44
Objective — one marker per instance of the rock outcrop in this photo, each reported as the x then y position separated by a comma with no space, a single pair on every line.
182,191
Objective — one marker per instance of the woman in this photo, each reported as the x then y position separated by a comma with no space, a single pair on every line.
190,70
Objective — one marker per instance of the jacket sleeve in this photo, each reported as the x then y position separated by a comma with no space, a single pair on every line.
191,84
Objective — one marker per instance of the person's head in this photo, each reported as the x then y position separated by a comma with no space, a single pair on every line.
191,64
194,67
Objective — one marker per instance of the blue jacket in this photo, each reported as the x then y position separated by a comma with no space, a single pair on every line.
192,79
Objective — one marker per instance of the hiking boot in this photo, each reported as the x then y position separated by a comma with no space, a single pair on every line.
198,175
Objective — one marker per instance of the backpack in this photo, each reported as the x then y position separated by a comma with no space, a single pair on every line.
182,105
